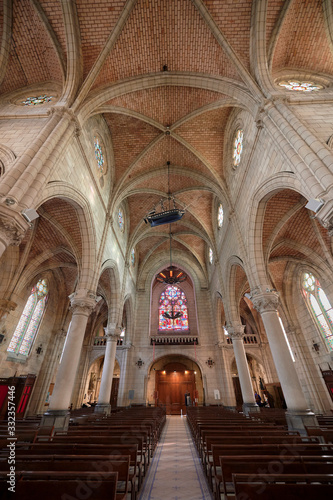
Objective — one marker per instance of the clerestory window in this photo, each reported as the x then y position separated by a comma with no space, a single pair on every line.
320,307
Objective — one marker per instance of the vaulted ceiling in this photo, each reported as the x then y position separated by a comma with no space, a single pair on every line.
166,76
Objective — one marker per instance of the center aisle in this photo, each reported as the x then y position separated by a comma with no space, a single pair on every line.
175,472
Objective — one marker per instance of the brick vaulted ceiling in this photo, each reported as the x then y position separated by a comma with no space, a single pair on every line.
115,52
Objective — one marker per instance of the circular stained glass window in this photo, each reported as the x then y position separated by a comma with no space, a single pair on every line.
33,101
220,215
133,257
99,155
238,147
300,86
210,256
309,282
121,220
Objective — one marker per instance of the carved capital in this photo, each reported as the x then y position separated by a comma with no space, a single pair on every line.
112,332
235,331
265,301
10,232
6,306
82,302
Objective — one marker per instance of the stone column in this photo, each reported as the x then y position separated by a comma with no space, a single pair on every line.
112,333
236,332
298,413
82,305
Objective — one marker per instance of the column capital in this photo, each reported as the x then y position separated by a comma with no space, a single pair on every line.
82,302
112,332
11,230
265,301
6,306
236,331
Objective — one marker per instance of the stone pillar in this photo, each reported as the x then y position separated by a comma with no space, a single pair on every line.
236,332
112,336
298,413
82,305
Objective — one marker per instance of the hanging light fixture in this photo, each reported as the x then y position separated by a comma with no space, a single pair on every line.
165,216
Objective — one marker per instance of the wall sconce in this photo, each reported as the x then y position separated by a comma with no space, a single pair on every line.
315,346
139,363
39,349
210,362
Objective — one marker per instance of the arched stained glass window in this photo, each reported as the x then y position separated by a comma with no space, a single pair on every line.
120,220
220,216
173,301
238,147
211,256
30,320
320,307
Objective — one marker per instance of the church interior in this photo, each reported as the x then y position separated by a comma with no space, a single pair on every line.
166,225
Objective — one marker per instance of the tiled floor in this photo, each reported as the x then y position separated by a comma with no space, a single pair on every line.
175,472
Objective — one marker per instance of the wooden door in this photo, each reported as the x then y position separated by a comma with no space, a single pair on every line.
171,387
114,392
238,393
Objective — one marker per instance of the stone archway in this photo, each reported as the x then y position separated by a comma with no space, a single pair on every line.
93,381
169,378
258,378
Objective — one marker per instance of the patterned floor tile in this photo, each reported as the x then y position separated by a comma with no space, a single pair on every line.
175,472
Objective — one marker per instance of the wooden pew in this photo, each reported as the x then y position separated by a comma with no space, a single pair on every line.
257,467
113,440
280,451
286,487
52,489
63,469
87,449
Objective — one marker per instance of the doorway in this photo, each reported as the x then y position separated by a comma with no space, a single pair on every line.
170,379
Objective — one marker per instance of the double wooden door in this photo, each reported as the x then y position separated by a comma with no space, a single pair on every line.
171,387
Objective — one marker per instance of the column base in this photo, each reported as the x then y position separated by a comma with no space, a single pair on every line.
103,408
298,419
230,408
250,408
59,419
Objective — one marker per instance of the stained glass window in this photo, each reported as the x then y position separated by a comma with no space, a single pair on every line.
121,220
172,301
27,327
220,215
211,255
238,147
320,307
300,86
99,155
133,257
33,101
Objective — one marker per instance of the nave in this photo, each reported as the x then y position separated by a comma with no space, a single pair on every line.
175,469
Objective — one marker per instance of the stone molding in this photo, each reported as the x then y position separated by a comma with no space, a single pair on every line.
265,301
